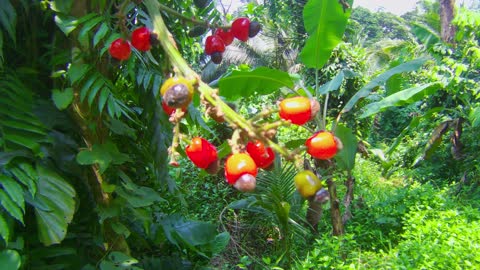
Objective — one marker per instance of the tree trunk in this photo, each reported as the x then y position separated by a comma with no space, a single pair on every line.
347,201
335,208
314,213
80,112
447,8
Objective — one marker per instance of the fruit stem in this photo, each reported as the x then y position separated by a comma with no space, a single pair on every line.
325,106
263,114
182,67
175,143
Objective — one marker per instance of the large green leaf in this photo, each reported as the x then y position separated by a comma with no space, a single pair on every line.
346,157
381,79
57,200
425,34
10,259
198,236
404,97
325,22
103,155
260,81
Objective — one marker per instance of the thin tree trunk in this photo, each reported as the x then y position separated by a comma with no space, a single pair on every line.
112,240
314,213
335,209
347,200
447,9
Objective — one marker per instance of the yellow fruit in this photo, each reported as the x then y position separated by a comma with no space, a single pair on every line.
177,92
307,183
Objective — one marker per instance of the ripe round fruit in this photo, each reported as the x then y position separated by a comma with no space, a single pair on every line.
307,183
120,49
263,156
254,28
201,152
296,109
241,28
216,57
322,145
141,39
237,165
177,92
246,183
214,44
226,36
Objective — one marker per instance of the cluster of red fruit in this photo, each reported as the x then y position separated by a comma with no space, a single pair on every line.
141,40
241,29
241,168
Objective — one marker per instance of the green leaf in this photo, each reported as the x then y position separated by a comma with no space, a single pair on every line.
62,99
260,81
325,22
137,196
120,128
200,237
118,261
27,175
102,99
425,34
404,97
295,143
332,85
10,259
103,155
10,206
77,71
474,117
66,23
100,34
120,229
99,84
8,18
14,191
381,79
59,196
4,229
346,157
83,36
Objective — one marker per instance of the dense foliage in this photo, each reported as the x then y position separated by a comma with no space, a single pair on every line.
95,174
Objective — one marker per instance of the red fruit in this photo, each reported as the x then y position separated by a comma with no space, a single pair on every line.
297,109
322,145
263,156
141,39
241,28
120,49
226,36
201,152
214,44
237,165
